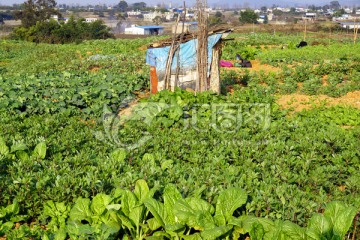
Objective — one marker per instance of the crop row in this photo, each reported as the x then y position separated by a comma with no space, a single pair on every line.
138,214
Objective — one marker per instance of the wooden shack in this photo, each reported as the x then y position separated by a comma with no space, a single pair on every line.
183,70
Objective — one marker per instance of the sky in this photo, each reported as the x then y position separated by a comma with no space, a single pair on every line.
212,3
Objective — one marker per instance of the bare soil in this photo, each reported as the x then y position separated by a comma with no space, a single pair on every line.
298,102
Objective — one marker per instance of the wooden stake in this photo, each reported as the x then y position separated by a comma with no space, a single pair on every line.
167,76
178,49
356,29
202,48
305,29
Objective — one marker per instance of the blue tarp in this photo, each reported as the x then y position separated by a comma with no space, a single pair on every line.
158,56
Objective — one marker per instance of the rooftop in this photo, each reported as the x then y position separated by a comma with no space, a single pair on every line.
150,27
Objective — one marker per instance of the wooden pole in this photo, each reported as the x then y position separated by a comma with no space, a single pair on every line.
215,72
305,29
202,51
356,29
167,76
178,49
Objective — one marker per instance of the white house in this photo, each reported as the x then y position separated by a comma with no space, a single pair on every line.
151,15
134,14
350,25
90,20
144,30
309,16
169,16
188,27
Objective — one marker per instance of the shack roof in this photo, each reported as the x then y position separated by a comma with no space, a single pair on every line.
185,37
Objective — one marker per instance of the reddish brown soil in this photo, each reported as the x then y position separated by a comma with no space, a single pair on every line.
300,101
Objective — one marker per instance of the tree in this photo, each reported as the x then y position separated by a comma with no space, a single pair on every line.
339,13
123,6
266,19
248,16
139,6
213,20
218,14
278,12
312,7
158,20
263,9
335,5
36,11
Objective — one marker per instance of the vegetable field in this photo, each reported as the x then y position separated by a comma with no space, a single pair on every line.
239,165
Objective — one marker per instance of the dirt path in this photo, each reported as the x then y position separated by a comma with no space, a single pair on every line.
256,67
299,101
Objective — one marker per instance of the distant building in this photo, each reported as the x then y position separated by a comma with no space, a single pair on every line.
188,27
144,30
90,20
343,17
309,16
350,25
55,17
134,14
151,15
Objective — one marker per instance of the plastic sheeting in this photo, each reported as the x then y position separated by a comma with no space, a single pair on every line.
158,56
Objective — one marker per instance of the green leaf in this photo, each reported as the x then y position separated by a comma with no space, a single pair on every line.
13,209
333,211
119,155
116,207
73,228
137,215
60,234
141,190
22,155
257,231
228,201
204,221
128,202
293,231
171,195
108,229
195,236
153,224
166,164
343,222
18,146
157,210
99,203
244,224
149,158
215,232
40,150
198,204
81,210
319,227
4,149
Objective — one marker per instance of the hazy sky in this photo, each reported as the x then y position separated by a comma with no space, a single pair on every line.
251,3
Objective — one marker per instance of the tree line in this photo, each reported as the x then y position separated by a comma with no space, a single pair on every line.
38,26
